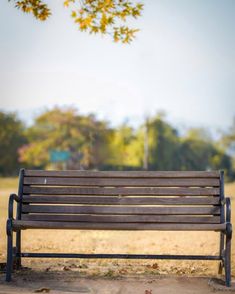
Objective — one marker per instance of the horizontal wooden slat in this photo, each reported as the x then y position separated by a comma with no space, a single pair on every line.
123,218
124,174
121,191
19,224
122,200
160,182
120,210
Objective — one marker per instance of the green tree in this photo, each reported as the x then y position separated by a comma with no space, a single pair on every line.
163,141
228,138
199,152
84,137
125,148
93,16
11,138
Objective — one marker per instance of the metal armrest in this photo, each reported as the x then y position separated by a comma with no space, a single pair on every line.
12,198
228,218
228,209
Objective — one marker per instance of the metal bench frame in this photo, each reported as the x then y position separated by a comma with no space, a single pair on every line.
14,254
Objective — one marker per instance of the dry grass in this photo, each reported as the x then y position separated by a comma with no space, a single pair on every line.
117,242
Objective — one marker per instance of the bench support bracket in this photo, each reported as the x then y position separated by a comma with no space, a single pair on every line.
121,256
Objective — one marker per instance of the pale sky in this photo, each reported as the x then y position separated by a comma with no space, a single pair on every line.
182,62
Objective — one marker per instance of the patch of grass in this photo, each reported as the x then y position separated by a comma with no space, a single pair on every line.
230,190
110,274
9,184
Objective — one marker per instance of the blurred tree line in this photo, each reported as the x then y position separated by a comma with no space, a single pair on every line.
93,144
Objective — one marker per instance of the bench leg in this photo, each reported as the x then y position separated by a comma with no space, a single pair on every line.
9,252
221,243
18,249
221,253
228,258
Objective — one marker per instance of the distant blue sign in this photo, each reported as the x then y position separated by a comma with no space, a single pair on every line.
59,156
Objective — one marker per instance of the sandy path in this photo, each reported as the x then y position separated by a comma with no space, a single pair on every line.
71,283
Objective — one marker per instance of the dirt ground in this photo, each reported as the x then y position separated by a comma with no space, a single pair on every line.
112,276
57,283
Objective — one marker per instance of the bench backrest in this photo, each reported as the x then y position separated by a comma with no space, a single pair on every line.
119,197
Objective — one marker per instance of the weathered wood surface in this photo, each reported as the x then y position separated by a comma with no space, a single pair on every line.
123,200
120,210
19,224
123,182
140,191
124,174
123,218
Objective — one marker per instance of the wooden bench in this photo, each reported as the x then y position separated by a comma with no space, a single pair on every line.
116,200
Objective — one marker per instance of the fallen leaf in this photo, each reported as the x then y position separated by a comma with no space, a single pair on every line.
155,266
66,268
42,290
